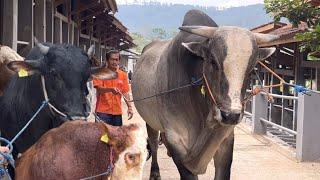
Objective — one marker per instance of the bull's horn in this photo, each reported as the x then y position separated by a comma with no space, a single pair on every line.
204,31
43,49
90,51
265,38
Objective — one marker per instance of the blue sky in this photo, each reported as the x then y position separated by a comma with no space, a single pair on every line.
217,3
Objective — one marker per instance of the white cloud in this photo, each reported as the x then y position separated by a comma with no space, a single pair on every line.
217,3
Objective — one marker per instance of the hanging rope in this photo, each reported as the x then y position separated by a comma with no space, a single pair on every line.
257,90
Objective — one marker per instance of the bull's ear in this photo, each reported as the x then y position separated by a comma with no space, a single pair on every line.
195,48
103,73
264,53
25,68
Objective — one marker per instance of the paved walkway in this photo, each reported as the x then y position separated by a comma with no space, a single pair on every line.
255,158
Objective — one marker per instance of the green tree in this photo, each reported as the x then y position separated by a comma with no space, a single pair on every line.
159,33
140,41
297,11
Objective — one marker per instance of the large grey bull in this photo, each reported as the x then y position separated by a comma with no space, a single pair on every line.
197,127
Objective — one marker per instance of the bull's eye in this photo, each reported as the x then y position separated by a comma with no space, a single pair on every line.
214,62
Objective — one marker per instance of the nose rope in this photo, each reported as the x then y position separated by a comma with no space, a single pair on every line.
51,107
258,90
209,90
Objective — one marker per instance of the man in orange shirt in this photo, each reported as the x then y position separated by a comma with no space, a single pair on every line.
109,93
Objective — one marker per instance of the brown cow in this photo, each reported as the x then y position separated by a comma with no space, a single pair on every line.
75,150
6,55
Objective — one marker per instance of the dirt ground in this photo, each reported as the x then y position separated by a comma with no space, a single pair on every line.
255,157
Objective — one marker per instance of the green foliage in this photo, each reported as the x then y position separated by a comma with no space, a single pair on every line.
159,33
297,11
156,33
140,41
294,10
311,40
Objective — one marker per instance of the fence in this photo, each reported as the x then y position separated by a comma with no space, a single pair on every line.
298,121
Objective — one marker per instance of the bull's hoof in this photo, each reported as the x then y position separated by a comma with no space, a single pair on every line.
155,176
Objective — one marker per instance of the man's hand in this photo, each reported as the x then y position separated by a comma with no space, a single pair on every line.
115,91
130,113
3,149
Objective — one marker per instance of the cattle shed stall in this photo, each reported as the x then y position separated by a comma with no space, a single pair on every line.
78,22
293,117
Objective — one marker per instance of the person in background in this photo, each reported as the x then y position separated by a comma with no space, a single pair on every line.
109,93
130,76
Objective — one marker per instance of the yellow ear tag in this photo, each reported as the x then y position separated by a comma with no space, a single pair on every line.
104,138
203,92
23,73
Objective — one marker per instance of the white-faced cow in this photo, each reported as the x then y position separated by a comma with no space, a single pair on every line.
75,150
197,127
6,55
65,70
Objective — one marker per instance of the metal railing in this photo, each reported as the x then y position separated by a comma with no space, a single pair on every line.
295,120
278,116
284,111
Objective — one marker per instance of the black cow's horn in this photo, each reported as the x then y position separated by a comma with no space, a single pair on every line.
265,38
90,51
204,31
43,49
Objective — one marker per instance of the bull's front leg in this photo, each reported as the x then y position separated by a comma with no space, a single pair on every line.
223,159
177,150
153,142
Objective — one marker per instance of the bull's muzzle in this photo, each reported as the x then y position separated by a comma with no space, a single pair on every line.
229,118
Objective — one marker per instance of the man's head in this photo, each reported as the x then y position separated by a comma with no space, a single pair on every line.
113,59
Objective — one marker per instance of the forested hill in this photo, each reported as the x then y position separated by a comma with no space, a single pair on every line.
144,18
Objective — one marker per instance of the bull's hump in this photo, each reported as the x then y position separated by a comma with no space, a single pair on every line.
197,18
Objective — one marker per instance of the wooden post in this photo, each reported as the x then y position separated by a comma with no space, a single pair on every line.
70,26
56,28
25,25
10,23
50,11
40,20
318,79
299,78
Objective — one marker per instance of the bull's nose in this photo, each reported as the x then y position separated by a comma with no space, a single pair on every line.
230,118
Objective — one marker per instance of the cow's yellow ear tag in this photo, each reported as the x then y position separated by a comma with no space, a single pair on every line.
203,91
23,73
104,138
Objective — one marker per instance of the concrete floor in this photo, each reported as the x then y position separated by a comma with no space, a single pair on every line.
255,157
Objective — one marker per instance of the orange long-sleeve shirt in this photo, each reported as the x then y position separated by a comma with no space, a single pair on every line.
110,103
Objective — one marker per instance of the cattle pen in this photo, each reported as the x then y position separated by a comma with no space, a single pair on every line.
78,22
291,116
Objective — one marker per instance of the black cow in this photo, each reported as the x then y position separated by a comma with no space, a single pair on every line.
66,70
